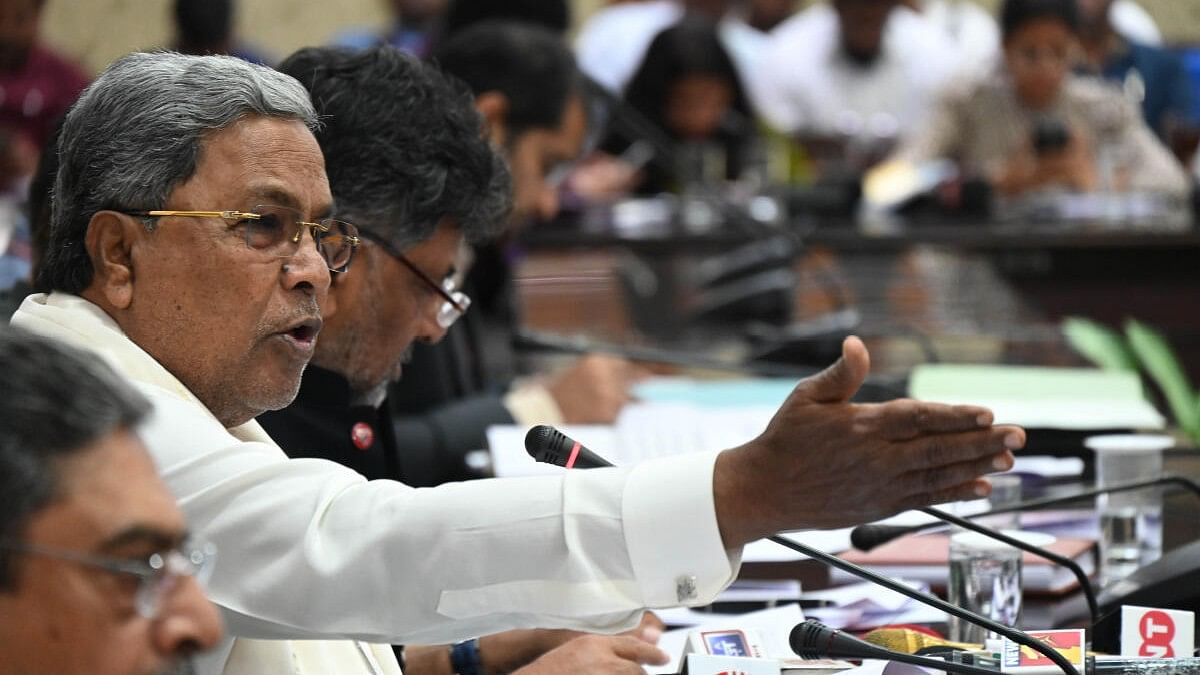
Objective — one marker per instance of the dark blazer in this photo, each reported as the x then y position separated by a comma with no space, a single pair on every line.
450,393
453,391
322,423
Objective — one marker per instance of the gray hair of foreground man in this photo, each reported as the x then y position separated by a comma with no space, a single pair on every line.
136,133
57,402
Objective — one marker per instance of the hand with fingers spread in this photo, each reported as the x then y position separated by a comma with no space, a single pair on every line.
598,654
825,462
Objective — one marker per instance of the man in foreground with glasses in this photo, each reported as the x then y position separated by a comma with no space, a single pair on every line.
420,185
215,324
97,576
437,183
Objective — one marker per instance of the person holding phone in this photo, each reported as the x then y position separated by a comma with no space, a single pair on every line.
1033,125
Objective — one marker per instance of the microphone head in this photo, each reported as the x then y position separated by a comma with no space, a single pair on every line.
810,639
546,444
814,640
867,537
551,446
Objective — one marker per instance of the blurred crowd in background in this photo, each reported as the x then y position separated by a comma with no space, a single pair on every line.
878,99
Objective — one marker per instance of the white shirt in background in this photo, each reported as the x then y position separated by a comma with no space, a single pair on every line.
972,29
807,84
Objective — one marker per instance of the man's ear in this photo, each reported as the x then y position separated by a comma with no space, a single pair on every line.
109,241
493,106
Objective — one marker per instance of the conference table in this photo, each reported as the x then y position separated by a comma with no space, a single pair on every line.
969,291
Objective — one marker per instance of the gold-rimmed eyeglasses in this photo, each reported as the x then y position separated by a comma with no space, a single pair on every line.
455,302
157,575
277,231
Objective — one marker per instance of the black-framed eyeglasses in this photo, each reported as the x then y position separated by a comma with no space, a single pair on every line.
277,231
157,575
455,302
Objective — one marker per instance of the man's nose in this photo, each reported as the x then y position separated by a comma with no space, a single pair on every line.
187,622
306,268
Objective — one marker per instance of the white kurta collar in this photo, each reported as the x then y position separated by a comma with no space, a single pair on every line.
79,322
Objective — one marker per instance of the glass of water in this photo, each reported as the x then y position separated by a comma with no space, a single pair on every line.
985,578
1130,522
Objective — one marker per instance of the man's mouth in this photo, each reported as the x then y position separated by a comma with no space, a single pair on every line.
303,335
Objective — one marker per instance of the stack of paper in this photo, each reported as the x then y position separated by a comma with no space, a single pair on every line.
1077,399
672,416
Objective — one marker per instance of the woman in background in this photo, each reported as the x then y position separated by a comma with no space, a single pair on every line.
1034,125
689,91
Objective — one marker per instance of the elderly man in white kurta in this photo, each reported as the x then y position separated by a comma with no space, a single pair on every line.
191,246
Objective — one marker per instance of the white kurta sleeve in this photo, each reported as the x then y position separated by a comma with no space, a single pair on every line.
308,548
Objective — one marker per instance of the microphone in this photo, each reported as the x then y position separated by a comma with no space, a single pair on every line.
551,446
539,444
867,537
814,640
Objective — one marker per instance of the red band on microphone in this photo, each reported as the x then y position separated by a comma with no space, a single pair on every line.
574,454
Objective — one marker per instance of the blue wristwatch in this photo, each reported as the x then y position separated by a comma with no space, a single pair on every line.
464,658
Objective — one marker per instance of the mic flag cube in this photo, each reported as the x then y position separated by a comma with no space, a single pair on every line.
1160,633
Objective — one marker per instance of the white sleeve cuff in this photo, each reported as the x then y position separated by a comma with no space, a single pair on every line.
671,531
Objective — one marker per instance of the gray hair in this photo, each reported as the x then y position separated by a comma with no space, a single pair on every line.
136,134
58,401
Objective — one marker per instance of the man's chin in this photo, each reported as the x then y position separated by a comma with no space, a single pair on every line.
278,396
398,368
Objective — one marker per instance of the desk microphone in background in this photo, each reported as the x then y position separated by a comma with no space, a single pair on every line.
867,537
547,444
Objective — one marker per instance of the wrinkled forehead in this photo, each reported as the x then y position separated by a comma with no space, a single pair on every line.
265,160
108,487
